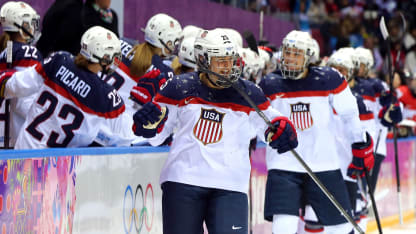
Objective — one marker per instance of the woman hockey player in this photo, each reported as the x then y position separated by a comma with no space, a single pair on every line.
205,177
308,96
73,105
20,24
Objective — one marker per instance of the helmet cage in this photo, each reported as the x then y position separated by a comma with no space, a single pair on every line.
299,43
285,63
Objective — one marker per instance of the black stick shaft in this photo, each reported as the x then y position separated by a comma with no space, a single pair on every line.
373,200
396,156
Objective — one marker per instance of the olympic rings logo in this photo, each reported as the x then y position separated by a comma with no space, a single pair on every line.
138,212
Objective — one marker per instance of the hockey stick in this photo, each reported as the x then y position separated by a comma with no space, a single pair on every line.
251,41
386,37
9,60
297,156
373,201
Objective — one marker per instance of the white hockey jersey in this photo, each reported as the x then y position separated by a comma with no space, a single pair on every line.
71,108
342,134
214,129
310,103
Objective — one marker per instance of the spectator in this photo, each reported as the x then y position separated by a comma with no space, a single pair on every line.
98,12
61,27
317,12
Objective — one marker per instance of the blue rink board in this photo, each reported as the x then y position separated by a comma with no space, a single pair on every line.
40,153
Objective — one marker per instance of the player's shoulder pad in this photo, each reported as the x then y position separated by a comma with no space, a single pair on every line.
270,83
181,86
82,87
329,78
23,51
127,45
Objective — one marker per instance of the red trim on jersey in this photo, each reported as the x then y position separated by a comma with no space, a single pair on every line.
373,99
366,116
197,100
314,230
126,70
20,63
63,92
310,93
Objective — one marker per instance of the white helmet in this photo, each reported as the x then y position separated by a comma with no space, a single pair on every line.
253,64
302,42
186,52
217,43
235,36
191,31
315,51
163,32
20,17
342,59
365,56
100,45
349,51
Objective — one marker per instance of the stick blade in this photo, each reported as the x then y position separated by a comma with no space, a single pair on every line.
251,41
383,28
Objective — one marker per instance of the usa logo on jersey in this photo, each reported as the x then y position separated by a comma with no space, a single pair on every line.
301,116
208,129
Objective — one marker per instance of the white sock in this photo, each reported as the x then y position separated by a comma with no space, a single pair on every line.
285,224
344,228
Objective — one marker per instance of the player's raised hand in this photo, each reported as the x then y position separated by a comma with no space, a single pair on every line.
147,86
284,138
363,156
149,120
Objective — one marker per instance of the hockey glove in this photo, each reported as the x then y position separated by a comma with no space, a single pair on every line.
390,115
363,156
147,87
149,120
284,138
4,76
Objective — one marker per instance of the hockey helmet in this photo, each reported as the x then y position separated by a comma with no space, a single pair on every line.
20,17
164,32
217,43
100,45
296,45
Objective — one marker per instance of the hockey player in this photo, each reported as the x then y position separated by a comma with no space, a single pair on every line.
73,104
253,65
385,106
20,24
205,177
162,33
186,58
308,96
162,37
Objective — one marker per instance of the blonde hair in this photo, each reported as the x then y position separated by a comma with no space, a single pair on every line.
142,59
3,40
81,61
176,66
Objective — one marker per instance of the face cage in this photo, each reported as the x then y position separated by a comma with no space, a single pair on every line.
109,65
293,74
173,49
233,76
